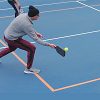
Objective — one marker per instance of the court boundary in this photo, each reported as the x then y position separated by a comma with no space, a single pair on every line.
91,32
88,6
39,77
43,4
91,6
44,82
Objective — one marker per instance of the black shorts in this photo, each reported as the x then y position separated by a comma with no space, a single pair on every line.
14,5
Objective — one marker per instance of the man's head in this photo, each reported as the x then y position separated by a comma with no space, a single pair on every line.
33,13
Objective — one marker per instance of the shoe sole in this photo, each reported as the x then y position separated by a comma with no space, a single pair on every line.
26,72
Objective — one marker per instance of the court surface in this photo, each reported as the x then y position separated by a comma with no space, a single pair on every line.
68,23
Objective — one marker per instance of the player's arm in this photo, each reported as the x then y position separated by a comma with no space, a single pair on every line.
36,36
39,35
52,46
17,3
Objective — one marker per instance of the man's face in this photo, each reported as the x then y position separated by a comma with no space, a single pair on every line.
35,17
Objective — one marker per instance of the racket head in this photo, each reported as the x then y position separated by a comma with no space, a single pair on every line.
60,51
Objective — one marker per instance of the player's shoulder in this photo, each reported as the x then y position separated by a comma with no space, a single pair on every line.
21,17
24,14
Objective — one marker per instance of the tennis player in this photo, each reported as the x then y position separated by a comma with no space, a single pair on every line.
15,5
19,27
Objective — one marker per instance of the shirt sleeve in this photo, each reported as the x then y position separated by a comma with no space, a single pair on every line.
32,33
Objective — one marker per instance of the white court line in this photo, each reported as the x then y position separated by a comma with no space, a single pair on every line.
6,0
64,37
70,36
49,4
3,0
45,4
88,6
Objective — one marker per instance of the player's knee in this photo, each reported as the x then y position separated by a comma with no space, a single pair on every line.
33,48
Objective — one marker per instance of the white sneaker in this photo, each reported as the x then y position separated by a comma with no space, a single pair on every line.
31,71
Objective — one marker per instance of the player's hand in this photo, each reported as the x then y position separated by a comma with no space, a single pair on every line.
52,46
19,6
39,35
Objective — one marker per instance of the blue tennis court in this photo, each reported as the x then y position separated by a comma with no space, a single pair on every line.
68,23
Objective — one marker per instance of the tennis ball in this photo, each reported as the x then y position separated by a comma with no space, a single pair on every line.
66,49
